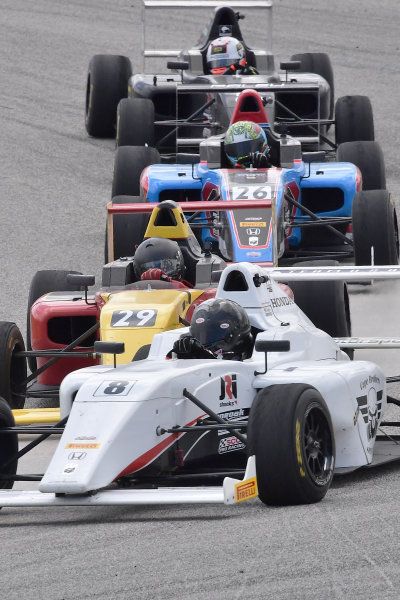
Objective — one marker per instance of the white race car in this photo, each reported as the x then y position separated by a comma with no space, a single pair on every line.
287,418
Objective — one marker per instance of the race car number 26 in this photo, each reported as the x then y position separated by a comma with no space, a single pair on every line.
134,318
253,192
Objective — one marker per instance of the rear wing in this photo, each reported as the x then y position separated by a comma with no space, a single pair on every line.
182,227
349,273
163,5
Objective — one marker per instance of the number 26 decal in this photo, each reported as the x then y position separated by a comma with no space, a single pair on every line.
244,192
133,318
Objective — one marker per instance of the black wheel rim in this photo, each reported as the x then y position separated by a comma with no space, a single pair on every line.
318,446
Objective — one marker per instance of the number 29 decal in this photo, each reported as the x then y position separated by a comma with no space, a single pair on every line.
134,318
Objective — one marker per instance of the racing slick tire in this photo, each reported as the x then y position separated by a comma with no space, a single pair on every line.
375,226
326,303
107,84
291,435
135,122
13,371
128,230
129,162
319,63
42,283
8,445
368,157
354,120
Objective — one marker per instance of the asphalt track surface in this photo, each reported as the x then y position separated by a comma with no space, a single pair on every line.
54,185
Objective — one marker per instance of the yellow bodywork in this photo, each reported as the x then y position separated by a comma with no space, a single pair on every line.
178,230
135,316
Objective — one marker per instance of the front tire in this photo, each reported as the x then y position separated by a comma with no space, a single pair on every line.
13,371
8,446
135,122
368,157
129,163
375,226
290,432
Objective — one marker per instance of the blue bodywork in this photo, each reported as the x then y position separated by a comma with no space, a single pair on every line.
259,235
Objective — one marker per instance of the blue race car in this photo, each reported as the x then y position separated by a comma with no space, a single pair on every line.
304,207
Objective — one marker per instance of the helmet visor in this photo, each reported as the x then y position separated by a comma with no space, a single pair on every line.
210,337
240,150
171,266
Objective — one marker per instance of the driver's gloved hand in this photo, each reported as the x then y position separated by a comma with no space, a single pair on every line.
155,274
189,347
259,160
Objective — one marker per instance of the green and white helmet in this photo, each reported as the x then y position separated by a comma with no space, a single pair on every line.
243,139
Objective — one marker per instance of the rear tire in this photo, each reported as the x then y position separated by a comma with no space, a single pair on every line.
319,63
13,371
326,303
375,225
128,230
135,122
129,163
107,84
8,445
42,283
290,432
354,119
368,157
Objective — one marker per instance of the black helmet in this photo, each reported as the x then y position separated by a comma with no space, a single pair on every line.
159,253
223,327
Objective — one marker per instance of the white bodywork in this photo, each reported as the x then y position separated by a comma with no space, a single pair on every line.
116,415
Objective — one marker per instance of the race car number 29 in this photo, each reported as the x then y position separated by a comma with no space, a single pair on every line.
252,192
134,318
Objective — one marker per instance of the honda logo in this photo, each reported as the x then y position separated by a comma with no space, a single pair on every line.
76,455
253,231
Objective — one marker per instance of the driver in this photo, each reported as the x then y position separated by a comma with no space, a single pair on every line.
219,328
227,56
246,145
160,259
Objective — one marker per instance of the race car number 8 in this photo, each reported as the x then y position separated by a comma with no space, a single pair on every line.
244,192
134,318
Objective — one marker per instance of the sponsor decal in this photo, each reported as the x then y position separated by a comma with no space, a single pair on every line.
230,444
246,489
281,301
370,407
253,231
77,455
253,241
79,446
86,437
228,389
233,414
252,224
253,254
225,30
69,468
368,380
